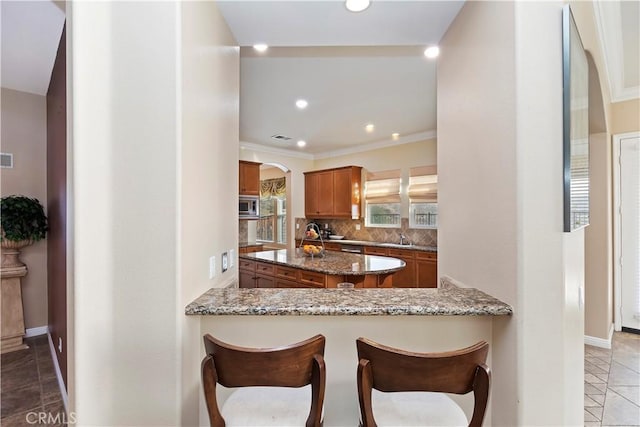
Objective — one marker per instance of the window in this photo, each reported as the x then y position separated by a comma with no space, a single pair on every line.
272,226
423,197
382,199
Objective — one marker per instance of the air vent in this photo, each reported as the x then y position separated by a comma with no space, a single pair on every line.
6,160
280,138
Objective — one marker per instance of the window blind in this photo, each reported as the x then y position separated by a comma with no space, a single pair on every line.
383,187
423,184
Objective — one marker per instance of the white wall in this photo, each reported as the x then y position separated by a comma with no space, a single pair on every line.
154,110
207,174
500,199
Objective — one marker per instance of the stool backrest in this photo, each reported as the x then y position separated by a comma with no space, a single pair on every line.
390,369
294,365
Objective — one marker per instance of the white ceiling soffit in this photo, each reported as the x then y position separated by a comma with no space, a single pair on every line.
618,26
347,88
31,33
329,23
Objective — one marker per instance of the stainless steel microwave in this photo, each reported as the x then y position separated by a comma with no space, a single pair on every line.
249,207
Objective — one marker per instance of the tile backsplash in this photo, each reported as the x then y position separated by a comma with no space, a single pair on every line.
243,231
347,228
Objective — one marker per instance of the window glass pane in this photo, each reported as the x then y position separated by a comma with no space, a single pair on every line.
383,215
423,215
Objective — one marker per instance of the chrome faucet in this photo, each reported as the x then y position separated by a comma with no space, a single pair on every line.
404,240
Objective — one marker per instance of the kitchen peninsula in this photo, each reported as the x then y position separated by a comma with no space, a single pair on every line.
286,268
439,319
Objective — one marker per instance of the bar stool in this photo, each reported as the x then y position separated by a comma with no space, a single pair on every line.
255,371
384,371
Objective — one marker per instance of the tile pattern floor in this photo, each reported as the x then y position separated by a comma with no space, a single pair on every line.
28,383
612,382
611,389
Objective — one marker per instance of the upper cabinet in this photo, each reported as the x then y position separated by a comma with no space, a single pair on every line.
333,193
249,178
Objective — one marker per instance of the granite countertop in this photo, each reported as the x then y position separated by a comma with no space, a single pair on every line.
449,300
247,244
340,263
381,244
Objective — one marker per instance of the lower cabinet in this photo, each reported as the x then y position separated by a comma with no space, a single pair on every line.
263,281
405,278
427,269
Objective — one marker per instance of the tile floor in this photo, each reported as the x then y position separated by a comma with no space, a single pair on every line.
28,383
612,382
611,388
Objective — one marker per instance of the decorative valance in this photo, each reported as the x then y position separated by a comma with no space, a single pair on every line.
275,187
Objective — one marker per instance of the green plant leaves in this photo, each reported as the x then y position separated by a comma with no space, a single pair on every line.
22,218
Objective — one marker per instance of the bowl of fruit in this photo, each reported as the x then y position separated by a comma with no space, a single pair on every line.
312,250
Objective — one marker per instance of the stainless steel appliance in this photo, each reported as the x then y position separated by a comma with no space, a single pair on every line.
249,207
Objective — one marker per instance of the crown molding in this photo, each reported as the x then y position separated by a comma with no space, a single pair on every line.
407,139
275,150
611,45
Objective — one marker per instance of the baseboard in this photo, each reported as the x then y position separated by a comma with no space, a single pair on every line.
56,365
34,332
600,342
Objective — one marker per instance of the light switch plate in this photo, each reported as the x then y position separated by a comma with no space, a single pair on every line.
225,262
212,267
232,257
357,227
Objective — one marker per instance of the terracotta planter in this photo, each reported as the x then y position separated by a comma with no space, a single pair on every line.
11,252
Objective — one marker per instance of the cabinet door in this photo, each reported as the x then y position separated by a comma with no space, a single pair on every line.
376,250
249,178
405,278
247,279
265,281
282,283
318,194
426,270
311,195
342,192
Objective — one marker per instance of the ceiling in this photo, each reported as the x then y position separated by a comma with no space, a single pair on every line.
353,68
363,68
30,34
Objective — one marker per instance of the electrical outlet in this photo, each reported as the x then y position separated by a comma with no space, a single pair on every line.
297,226
212,267
232,257
225,262
357,227
60,344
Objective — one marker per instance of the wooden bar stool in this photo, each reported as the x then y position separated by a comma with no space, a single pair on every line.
256,370
391,370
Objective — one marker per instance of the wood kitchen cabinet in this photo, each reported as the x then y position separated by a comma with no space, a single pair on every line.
331,193
246,273
318,194
405,278
249,178
427,269
250,249
421,270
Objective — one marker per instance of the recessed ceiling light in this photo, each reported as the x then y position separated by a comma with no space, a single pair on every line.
301,103
395,136
260,47
302,143
369,128
432,52
357,5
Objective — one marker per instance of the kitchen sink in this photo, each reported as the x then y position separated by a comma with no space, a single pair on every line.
395,245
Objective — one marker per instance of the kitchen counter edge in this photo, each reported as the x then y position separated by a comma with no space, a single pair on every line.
449,300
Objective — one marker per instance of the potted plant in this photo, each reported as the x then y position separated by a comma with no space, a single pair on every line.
23,222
